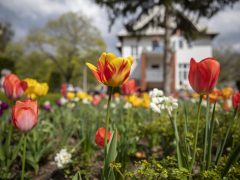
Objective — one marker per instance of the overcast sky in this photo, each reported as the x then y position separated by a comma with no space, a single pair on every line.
27,14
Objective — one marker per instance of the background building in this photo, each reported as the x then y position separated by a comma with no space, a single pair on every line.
147,49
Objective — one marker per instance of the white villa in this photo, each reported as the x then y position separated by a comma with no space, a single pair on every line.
148,47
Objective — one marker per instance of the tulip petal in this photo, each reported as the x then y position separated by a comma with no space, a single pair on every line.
203,75
24,115
26,120
112,70
94,71
107,57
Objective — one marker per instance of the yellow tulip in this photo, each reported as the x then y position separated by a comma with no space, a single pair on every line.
35,88
227,92
70,95
82,95
112,70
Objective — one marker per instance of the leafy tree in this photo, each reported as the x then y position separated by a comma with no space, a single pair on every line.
14,50
8,58
34,65
184,14
6,34
6,63
230,62
68,42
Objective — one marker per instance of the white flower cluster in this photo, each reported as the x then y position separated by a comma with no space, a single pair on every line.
127,105
63,100
156,93
160,103
62,158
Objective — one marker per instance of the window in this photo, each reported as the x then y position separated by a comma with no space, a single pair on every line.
183,69
155,66
134,51
155,45
174,45
190,44
181,44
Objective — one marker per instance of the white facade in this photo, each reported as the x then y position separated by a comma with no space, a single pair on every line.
135,47
198,49
184,51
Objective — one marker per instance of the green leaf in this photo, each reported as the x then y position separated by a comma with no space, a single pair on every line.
111,155
231,160
112,149
15,151
2,157
111,174
77,176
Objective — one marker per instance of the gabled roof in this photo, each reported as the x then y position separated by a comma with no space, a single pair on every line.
158,12
153,31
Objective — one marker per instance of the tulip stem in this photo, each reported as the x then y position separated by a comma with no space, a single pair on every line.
9,137
206,133
24,155
175,129
196,133
210,138
107,121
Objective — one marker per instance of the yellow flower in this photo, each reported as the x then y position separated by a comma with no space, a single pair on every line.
227,92
134,100
146,100
84,95
112,70
116,94
70,95
35,88
195,95
143,101
41,89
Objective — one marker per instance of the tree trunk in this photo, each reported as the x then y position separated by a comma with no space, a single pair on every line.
68,75
238,84
167,70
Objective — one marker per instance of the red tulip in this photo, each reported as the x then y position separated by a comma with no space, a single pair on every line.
236,100
64,90
24,115
225,106
99,139
129,87
203,75
96,100
13,86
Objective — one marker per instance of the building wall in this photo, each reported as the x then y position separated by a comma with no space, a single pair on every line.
183,50
154,74
198,50
143,44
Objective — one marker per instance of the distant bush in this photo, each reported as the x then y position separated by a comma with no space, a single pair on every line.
6,63
52,97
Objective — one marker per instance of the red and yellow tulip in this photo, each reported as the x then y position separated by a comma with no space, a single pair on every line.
112,70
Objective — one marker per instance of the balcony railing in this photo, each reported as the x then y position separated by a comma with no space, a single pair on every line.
154,75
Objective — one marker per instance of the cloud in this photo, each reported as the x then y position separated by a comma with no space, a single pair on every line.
227,24
28,14
33,9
